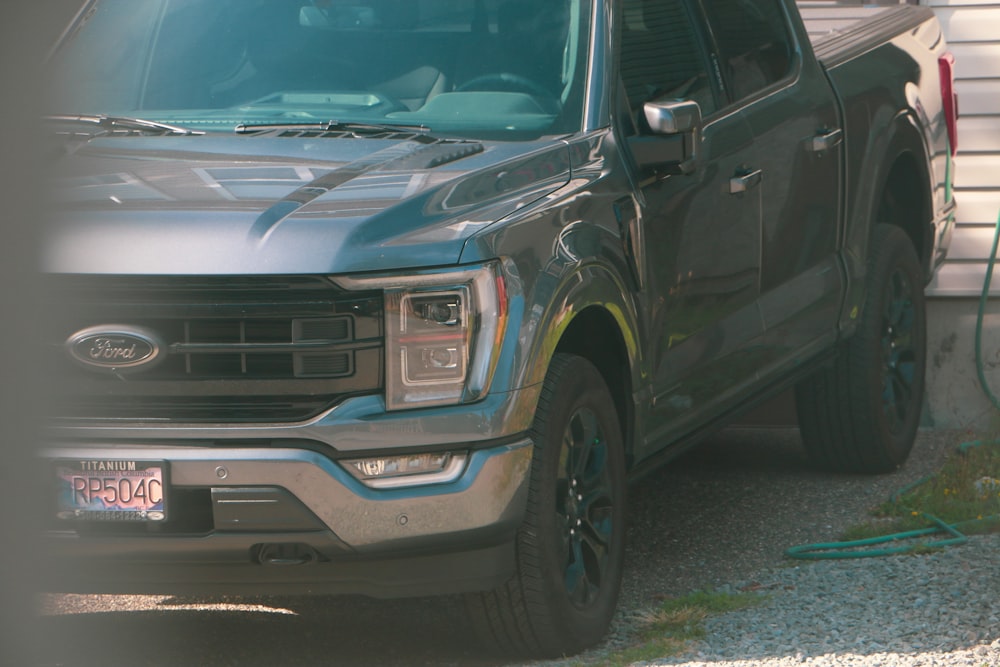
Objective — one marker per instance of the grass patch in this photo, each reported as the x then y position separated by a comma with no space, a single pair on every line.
966,492
669,628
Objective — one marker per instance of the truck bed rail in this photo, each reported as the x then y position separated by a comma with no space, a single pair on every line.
842,32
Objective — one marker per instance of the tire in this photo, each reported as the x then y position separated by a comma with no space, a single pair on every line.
862,413
570,547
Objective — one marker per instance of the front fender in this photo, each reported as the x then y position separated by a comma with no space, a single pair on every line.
550,307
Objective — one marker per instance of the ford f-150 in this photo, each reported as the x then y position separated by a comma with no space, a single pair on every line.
393,297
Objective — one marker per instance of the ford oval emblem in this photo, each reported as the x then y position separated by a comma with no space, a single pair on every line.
114,347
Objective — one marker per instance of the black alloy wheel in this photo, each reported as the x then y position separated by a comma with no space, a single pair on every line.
570,547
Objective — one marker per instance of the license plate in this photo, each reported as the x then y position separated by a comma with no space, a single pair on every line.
111,490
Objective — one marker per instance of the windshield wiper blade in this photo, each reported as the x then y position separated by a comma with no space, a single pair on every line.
111,123
330,126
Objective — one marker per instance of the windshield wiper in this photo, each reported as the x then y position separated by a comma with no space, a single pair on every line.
330,126
111,123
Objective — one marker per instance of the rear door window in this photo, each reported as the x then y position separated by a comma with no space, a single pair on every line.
755,47
662,57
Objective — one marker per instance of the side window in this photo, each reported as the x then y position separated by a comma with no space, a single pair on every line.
753,42
662,57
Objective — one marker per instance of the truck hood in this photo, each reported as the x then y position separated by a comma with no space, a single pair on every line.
311,203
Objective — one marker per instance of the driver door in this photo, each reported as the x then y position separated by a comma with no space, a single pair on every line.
701,230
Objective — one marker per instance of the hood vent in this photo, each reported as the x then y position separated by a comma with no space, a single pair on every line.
436,155
420,154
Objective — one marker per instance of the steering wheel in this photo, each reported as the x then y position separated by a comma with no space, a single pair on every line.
506,82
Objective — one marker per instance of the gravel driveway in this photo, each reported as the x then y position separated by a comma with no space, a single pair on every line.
939,609
721,516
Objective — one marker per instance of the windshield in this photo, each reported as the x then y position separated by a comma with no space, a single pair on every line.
467,67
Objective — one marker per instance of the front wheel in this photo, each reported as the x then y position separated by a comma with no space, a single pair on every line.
571,544
862,413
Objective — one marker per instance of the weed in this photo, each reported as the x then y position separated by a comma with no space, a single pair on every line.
669,628
966,491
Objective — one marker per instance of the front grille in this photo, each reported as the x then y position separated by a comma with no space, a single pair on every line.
233,349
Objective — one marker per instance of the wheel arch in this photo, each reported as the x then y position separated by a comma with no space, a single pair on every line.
596,335
894,187
899,207
902,193
594,319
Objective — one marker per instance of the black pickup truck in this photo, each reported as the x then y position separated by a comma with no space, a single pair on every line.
393,297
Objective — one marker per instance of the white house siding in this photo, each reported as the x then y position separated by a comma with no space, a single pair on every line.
972,28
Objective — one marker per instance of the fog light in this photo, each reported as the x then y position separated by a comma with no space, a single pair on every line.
389,472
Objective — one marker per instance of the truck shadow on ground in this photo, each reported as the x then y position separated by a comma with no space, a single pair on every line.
275,632
716,515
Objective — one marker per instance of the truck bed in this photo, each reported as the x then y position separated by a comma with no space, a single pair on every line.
840,32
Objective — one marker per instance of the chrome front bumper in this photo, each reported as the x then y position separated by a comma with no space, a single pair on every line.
342,535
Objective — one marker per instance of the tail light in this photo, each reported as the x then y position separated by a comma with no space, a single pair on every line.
949,98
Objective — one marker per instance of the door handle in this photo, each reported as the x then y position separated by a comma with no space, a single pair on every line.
744,182
826,141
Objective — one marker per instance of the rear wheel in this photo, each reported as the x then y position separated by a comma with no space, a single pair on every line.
570,547
862,413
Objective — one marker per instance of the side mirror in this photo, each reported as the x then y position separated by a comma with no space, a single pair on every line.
675,117
680,119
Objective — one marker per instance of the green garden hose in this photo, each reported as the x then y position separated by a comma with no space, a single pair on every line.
854,548
983,298
857,548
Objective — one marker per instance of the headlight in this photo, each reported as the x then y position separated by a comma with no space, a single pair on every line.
443,333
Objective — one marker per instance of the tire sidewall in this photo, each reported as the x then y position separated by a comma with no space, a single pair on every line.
577,386
892,252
